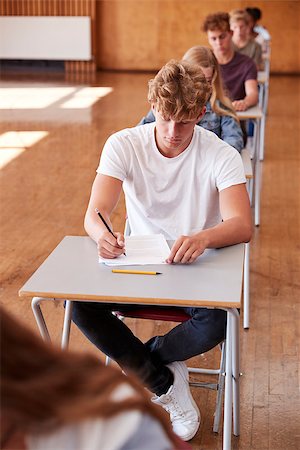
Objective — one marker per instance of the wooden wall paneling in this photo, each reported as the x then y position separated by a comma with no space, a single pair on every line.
137,35
126,34
143,35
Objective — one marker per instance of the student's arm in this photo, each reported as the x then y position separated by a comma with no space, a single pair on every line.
235,228
104,196
251,98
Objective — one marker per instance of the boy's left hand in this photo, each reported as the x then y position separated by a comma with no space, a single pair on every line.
186,249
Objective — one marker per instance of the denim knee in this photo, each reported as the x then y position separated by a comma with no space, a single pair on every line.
211,322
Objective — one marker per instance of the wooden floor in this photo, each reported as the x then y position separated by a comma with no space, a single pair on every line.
44,194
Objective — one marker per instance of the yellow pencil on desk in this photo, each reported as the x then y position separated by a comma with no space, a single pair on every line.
136,272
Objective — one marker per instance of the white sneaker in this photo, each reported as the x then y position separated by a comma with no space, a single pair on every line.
179,403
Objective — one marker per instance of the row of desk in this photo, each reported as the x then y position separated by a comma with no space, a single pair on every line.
253,170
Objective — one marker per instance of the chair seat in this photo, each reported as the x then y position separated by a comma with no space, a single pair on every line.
156,313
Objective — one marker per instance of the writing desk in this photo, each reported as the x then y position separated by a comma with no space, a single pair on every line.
255,113
72,273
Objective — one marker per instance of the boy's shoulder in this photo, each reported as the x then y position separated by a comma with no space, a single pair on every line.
138,131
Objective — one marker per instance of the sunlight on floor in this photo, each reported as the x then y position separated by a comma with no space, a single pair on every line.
32,97
86,97
14,143
38,97
37,102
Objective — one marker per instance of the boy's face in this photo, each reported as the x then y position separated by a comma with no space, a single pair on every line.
240,30
220,41
172,137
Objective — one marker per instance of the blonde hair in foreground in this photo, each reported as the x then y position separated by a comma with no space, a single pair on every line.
204,57
179,91
43,387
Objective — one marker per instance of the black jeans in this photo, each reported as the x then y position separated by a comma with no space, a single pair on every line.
205,329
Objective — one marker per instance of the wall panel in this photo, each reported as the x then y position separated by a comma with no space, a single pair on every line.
144,34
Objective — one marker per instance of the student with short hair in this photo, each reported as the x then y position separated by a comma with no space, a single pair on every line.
239,72
242,40
182,181
220,116
60,400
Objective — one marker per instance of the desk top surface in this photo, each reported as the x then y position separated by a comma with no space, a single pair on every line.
72,271
255,112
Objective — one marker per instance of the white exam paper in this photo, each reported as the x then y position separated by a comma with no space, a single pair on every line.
141,250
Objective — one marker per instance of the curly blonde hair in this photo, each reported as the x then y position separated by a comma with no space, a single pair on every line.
179,91
204,57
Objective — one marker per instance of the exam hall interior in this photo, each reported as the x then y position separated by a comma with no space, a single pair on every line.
55,118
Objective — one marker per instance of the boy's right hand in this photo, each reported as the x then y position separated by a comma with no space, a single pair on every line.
110,246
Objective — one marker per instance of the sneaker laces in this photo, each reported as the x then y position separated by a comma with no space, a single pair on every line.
173,408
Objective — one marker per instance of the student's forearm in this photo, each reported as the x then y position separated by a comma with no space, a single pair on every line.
104,196
230,232
94,226
251,99
188,248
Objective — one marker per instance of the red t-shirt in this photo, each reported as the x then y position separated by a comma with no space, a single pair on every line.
240,69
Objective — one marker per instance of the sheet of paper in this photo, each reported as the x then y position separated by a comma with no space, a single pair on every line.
141,250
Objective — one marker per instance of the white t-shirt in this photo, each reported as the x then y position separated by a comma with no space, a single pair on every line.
173,196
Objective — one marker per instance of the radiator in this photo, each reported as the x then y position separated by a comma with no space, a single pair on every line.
45,38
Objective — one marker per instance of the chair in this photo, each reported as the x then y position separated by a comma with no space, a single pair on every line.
178,315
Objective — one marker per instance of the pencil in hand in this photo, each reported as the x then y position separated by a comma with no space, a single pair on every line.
106,225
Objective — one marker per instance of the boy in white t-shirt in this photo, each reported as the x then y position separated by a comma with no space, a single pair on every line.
184,182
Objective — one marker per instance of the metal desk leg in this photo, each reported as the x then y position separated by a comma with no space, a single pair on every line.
262,138
257,174
67,324
227,426
35,305
261,94
220,393
257,192
251,191
232,393
246,305
235,319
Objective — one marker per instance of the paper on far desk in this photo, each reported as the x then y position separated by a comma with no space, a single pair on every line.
141,250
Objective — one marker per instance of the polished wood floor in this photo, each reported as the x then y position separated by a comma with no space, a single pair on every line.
44,194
